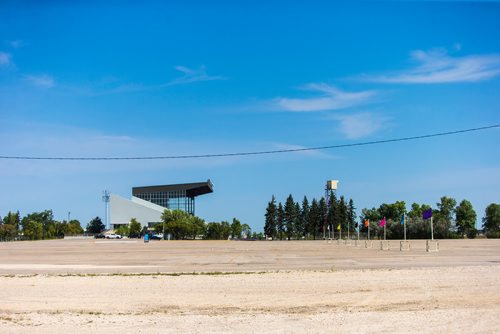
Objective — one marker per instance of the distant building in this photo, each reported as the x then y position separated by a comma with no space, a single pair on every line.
148,203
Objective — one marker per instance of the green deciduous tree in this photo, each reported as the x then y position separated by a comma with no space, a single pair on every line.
46,219
123,230
246,231
236,229
466,219
74,227
491,220
178,223
199,227
134,228
32,229
218,231
443,217
7,232
13,219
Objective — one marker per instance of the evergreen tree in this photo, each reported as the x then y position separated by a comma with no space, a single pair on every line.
271,218
95,226
351,215
343,213
290,216
298,227
333,211
304,216
321,224
280,220
314,218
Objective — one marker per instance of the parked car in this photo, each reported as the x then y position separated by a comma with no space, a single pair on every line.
99,236
155,237
113,236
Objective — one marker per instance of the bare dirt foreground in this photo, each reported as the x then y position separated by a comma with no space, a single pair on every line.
280,287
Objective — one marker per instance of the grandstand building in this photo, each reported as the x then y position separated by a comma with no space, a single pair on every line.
148,203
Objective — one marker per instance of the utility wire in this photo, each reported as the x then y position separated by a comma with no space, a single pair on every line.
441,134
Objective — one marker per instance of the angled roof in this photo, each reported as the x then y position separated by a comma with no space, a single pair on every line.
192,189
123,210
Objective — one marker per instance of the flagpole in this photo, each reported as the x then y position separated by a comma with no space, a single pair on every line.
432,230
368,230
404,223
348,227
384,230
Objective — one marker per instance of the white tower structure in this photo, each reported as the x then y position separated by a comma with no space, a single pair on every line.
331,185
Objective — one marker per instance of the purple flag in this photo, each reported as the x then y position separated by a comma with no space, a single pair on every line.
427,214
382,222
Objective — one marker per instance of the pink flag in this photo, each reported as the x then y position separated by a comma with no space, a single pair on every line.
382,222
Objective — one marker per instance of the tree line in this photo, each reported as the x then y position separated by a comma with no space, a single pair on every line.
449,220
182,225
177,223
36,226
317,220
308,221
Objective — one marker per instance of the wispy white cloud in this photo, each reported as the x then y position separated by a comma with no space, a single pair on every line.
331,98
43,80
193,75
360,125
5,59
436,66
112,85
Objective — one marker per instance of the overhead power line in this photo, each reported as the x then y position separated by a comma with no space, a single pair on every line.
217,155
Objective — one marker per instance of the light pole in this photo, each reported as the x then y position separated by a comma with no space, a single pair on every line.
105,198
331,186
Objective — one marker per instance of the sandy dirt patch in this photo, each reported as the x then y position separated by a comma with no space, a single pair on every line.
276,287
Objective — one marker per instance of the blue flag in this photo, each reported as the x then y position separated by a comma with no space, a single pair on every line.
427,214
403,219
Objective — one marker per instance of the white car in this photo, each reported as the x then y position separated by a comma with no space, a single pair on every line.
113,236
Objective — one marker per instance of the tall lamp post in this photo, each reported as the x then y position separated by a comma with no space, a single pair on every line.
331,186
105,198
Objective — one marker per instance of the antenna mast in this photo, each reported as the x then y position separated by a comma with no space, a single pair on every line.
105,198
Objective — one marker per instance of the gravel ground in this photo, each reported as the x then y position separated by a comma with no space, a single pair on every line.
277,287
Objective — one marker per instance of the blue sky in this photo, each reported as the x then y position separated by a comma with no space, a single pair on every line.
123,79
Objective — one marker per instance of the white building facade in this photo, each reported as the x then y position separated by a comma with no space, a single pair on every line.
123,210
148,203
